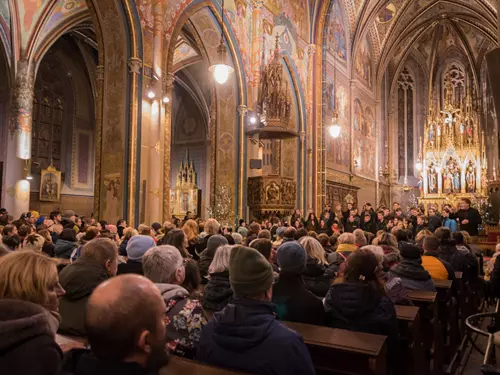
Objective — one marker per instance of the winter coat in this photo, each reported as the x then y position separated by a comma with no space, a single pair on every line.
318,277
49,249
326,230
351,226
457,259
474,218
83,362
295,303
27,339
130,266
438,268
184,320
122,250
358,307
394,288
202,245
434,222
369,226
380,225
79,280
63,248
204,264
192,249
413,275
246,336
217,293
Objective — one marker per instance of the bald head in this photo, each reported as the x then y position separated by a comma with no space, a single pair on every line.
124,314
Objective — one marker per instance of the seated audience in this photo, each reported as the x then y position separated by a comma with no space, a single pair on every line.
360,238
238,238
218,292
125,329
245,335
9,230
317,275
29,314
48,246
438,268
357,300
301,232
449,252
177,238
419,238
265,234
191,231
472,261
65,244
389,244
34,242
294,302
346,246
192,280
207,256
12,242
410,270
97,263
185,317
211,228
253,231
136,248
128,233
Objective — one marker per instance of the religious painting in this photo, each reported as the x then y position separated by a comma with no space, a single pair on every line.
336,35
184,53
368,124
294,11
50,185
364,135
112,188
451,176
363,63
341,103
240,18
432,179
358,115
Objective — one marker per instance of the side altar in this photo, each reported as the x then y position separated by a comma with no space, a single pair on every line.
186,196
453,153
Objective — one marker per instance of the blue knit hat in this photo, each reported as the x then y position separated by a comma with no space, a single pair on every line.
138,245
291,257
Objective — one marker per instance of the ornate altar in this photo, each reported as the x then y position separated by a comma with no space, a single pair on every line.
185,196
271,195
453,153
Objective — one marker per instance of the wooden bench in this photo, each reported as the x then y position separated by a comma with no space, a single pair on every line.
182,366
335,351
411,338
448,300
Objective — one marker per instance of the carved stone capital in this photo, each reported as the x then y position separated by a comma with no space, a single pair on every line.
169,79
242,110
311,49
135,65
100,72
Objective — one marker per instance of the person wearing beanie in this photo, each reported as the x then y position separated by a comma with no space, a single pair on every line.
245,335
136,248
207,256
410,270
294,302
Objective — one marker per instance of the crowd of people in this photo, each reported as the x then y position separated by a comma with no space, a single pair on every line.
197,290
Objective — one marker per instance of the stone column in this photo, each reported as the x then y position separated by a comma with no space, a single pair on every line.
307,176
167,135
242,164
98,140
19,141
256,49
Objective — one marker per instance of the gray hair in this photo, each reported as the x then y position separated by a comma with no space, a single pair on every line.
160,263
377,250
238,238
347,238
220,263
360,238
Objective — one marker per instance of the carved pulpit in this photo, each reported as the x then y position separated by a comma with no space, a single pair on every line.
186,196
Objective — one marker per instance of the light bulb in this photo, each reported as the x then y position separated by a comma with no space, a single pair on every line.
253,120
221,73
418,166
166,99
334,130
151,95
29,177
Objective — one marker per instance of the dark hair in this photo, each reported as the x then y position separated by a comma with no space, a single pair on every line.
12,242
230,239
192,279
175,237
254,228
361,268
120,222
324,240
7,229
106,233
459,238
263,246
444,236
103,223
156,226
264,233
431,243
54,213
466,200
300,233
4,219
400,234
24,230
289,233
334,239
68,234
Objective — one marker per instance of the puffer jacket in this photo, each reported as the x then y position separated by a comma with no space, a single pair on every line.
63,248
318,277
217,293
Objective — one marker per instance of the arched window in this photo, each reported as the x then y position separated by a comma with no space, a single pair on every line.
406,122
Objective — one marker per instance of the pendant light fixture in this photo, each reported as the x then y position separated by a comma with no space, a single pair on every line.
221,70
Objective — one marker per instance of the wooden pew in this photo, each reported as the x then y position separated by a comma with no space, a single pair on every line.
448,297
335,351
462,302
431,326
183,366
410,333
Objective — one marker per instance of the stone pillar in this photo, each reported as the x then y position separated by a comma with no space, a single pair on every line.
256,49
19,142
307,176
98,136
167,135
242,164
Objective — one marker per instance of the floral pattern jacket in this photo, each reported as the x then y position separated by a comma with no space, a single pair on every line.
184,320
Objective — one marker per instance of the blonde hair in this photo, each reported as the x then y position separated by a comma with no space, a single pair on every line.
220,263
466,237
34,242
212,226
129,232
313,248
377,250
386,239
419,238
190,229
27,276
347,238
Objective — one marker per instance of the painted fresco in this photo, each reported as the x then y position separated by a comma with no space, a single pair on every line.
364,60
5,25
364,140
183,52
29,13
336,33
293,10
62,10
474,38
240,14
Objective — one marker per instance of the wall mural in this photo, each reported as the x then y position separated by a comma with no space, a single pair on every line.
336,35
5,25
364,139
240,14
294,11
60,13
363,63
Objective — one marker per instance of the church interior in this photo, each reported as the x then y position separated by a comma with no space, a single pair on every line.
380,114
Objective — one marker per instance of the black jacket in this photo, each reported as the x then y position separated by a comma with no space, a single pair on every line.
83,362
434,222
27,344
295,303
369,226
474,220
317,277
217,293
122,250
79,280
131,266
48,248
457,259
63,248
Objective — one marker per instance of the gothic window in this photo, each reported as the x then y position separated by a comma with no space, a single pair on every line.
406,122
455,74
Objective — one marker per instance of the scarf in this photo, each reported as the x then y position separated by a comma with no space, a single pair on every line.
411,269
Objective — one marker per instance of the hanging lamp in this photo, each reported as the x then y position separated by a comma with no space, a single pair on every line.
221,70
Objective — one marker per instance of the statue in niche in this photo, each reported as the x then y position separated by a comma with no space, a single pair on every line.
468,131
272,193
447,182
452,171
432,179
470,177
432,135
